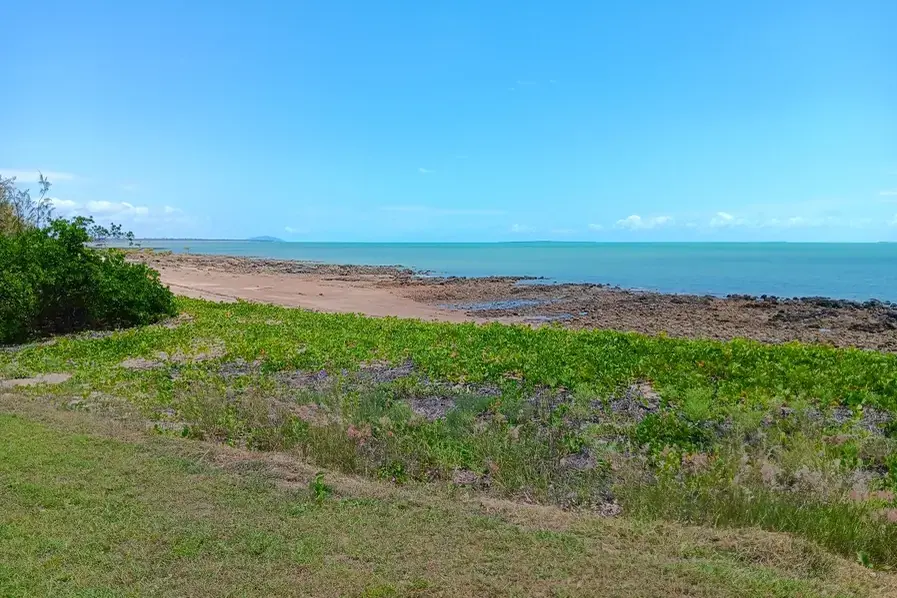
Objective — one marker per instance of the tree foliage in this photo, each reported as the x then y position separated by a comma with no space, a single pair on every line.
102,235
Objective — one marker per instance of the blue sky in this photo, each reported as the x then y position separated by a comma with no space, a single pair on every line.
460,121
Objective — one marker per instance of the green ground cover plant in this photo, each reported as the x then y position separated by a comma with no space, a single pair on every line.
792,438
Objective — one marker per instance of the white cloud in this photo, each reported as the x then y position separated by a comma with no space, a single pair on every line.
431,211
120,208
636,222
103,210
888,192
726,220
32,176
596,227
521,228
425,171
894,221
64,206
289,229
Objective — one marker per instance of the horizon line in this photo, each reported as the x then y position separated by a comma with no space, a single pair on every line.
517,242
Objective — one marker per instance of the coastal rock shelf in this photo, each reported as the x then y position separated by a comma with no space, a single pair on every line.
396,291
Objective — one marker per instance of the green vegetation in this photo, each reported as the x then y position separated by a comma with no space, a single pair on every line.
791,438
52,282
91,515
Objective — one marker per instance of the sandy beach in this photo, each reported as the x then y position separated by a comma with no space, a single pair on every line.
396,291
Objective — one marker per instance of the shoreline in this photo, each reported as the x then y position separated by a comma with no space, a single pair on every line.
401,292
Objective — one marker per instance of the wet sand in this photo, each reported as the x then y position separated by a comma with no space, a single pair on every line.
395,291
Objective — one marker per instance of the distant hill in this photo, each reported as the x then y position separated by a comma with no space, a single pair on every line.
268,239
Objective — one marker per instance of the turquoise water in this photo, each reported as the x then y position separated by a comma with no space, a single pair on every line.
845,271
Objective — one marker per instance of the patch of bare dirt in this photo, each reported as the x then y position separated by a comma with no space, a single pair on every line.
35,380
433,407
141,364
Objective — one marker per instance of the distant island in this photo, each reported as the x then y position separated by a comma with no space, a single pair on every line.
267,239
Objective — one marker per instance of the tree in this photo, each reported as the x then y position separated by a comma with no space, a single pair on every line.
19,211
100,234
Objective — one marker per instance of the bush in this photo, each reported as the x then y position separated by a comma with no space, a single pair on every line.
52,282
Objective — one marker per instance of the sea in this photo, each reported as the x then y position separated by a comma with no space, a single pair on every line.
857,271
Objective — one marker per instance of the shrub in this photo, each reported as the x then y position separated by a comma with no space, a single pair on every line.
52,282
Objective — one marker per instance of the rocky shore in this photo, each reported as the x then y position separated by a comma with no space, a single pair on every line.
868,325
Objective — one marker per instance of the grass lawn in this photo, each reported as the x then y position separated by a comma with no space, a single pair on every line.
89,512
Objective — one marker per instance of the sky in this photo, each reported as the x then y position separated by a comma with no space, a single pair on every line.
461,120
